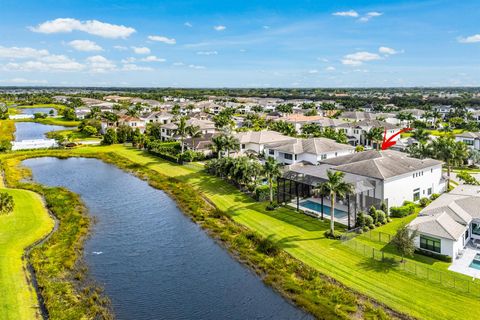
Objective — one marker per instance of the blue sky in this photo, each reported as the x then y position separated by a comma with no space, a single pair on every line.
240,43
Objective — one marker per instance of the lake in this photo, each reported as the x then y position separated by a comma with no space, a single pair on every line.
152,260
37,110
33,130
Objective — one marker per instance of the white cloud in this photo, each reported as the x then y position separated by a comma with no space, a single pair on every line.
330,68
24,81
207,53
134,67
471,39
369,16
387,51
266,27
21,53
50,63
85,45
178,64
120,48
129,60
100,64
220,28
141,50
193,66
153,59
162,39
350,13
94,27
188,24
358,58
312,71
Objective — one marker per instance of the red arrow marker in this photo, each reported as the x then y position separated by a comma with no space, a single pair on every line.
388,143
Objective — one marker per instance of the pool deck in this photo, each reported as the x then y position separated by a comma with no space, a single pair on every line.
462,265
310,212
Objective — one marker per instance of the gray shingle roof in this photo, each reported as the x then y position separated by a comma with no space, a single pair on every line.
312,146
261,137
380,164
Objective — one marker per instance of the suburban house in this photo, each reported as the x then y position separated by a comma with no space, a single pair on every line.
362,115
449,223
168,130
357,131
157,117
201,144
471,139
133,122
386,176
306,150
255,141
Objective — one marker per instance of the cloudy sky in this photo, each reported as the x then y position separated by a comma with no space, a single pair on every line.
240,43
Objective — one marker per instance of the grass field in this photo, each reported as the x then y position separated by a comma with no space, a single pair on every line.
7,130
303,238
28,223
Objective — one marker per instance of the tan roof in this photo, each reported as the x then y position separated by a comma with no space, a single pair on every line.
261,137
298,117
313,146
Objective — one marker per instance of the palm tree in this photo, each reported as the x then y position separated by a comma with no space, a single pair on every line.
194,132
182,131
436,115
334,187
421,135
375,135
272,171
231,144
450,152
218,145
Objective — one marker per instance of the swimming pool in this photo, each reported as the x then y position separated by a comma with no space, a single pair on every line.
315,206
476,262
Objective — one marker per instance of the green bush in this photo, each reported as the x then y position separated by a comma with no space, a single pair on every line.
262,192
272,206
424,202
434,196
268,247
368,221
360,222
403,211
373,213
190,156
381,217
366,229
434,255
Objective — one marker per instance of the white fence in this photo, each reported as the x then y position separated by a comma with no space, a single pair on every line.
21,116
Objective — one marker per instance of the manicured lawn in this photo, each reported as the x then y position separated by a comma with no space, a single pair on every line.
303,238
53,121
28,223
7,129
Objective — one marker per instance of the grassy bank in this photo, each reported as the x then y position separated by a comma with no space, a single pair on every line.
59,271
27,224
53,121
320,295
7,130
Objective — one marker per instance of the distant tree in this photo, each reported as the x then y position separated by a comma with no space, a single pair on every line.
218,145
467,178
231,144
194,132
110,137
124,133
3,112
7,204
89,131
283,127
375,135
450,152
403,241
285,108
5,145
421,135
359,148
182,131
69,114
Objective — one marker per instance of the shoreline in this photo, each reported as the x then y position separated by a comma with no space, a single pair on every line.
363,303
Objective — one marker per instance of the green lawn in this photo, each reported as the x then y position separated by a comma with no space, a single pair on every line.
28,223
303,238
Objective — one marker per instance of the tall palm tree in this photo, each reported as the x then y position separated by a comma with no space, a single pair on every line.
335,187
421,135
194,132
450,152
182,131
271,170
436,115
231,144
375,135
218,145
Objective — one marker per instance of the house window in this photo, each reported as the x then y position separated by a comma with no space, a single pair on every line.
296,157
271,152
429,191
416,194
468,142
288,156
476,229
323,157
243,146
429,243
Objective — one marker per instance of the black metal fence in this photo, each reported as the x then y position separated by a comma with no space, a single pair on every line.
389,260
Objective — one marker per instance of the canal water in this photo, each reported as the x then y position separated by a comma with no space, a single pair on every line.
33,130
37,110
153,262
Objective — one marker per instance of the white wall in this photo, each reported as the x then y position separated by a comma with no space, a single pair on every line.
447,247
309,157
400,188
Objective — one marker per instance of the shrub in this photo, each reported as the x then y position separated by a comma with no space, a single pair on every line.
384,207
381,217
424,202
366,229
403,211
360,223
434,255
368,221
272,206
434,196
190,156
262,192
373,213
268,247
336,235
